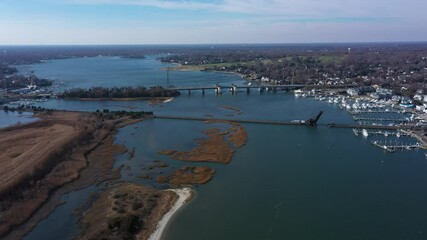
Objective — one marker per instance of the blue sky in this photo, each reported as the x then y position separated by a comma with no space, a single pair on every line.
210,21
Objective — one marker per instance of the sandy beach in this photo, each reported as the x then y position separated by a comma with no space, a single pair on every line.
184,195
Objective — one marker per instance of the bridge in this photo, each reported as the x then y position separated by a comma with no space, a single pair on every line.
262,88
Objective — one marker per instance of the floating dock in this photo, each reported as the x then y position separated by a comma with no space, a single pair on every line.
382,119
384,133
397,146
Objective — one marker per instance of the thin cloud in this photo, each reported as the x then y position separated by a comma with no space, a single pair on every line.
290,8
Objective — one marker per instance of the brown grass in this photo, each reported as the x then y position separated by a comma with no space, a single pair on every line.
192,175
126,211
38,158
238,136
213,149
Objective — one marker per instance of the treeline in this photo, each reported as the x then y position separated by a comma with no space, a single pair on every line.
118,92
398,65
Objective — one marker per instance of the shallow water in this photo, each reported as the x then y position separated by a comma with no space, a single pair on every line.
287,182
10,118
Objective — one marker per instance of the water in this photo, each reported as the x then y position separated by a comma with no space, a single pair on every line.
10,118
286,183
117,72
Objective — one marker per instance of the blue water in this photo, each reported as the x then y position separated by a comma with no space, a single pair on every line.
117,72
10,118
285,183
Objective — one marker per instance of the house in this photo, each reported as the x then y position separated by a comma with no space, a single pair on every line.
353,91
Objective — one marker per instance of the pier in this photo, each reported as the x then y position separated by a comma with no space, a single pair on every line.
379,127
382,119
356,112
389,147
384,133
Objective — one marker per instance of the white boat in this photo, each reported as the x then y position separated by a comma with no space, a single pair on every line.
168,100
365,133
298,93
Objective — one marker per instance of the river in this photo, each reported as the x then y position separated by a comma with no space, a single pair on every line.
286,183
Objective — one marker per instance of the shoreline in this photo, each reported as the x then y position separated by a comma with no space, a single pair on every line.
120,99
69,171
184,195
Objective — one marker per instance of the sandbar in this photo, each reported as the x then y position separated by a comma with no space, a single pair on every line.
184,195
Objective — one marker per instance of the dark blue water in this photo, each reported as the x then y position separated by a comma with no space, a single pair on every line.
286,183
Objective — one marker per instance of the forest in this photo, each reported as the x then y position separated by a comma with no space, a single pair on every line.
118,92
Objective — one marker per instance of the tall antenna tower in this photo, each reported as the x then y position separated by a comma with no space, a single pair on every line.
167,75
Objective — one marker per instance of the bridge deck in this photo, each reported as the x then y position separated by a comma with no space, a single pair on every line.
287,86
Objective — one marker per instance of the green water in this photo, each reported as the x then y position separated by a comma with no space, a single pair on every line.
285,183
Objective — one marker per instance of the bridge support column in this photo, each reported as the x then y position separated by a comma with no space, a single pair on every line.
189,92
274,89
203,91
248,90
218,89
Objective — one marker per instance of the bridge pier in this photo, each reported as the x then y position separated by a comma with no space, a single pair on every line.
203,91
248,90
218,90
189,92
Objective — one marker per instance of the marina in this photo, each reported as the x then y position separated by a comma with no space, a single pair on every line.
364,132
391,146
401,120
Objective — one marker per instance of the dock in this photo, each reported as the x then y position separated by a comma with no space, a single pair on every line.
400,120
389,147
379,127
384,133
356,112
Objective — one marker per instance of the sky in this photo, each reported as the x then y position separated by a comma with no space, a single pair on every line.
65,22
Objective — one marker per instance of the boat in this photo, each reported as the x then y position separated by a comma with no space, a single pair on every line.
168,100
355,132
298,93
365,133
